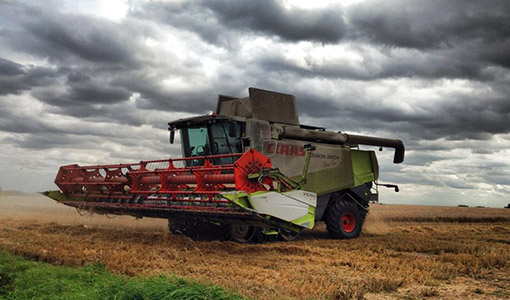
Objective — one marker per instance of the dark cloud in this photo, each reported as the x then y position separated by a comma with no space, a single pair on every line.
70,104
75,35
199,100
497,53
270,17
421,158
16,78
96,92
191,101
186,15
457,120
416,24
393,63
9,68
14,122
74,141
86,99
65,37
215,21
42,142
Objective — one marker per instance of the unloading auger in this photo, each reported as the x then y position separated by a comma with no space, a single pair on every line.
250,170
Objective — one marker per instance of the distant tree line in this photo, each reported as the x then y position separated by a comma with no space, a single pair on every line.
10,193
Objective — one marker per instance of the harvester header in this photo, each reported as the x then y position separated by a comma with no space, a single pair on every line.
249,170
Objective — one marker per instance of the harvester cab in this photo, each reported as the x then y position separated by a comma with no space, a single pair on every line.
249,170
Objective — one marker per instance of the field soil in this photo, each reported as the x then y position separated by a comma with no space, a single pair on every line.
405,252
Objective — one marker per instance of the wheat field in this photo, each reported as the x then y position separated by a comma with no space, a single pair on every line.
405,252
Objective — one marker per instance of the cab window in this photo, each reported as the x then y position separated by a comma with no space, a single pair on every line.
223,143
211,139
198,142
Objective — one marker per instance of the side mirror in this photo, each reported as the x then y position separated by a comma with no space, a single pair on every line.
309,147
232,130
172,135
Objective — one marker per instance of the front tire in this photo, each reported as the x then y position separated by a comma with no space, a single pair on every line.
343,219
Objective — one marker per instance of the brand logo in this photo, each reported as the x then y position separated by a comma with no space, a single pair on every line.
285,149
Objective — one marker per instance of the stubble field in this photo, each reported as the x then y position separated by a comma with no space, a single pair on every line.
405,252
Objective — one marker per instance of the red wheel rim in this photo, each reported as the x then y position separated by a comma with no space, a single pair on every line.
348,222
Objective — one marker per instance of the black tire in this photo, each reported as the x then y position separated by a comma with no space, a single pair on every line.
241,233
287,235
363,212
343,218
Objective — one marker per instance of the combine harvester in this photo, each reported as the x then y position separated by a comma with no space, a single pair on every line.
250,170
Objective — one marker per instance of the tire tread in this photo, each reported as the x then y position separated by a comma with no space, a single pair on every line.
336,208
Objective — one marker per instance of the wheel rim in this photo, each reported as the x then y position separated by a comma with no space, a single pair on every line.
348,222
241,230
242,233
288,235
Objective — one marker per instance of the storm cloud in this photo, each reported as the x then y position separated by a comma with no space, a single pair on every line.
92,86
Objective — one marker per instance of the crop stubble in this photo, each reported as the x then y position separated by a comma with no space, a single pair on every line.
405,252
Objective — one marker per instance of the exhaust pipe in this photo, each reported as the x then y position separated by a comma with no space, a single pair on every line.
380,142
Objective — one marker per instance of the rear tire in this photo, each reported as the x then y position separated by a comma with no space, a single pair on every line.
343,219
241,233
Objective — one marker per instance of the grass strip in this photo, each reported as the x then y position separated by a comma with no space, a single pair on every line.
22,279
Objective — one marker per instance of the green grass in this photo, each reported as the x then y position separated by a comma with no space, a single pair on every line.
24,279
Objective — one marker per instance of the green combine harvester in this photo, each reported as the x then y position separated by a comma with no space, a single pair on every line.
250,171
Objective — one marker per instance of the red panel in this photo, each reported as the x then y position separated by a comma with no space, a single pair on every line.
122,182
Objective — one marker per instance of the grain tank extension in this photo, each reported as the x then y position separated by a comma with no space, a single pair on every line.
249,171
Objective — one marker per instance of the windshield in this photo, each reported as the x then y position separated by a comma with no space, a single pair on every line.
210,140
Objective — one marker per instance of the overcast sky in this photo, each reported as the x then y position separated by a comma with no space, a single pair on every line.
96,82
